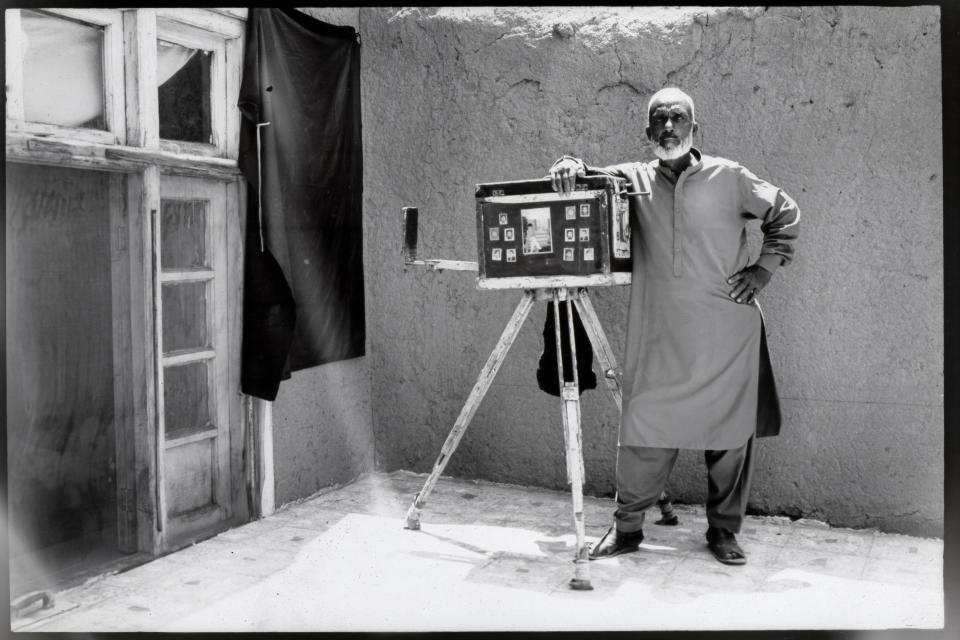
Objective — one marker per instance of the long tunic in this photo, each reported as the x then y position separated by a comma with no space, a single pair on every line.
693,355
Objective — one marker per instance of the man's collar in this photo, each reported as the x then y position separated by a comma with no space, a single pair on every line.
695,159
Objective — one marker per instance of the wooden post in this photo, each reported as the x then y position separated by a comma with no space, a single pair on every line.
264,413
480,388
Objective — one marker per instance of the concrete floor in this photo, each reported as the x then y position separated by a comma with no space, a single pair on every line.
499,557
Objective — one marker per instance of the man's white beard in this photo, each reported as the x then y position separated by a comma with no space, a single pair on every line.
676,152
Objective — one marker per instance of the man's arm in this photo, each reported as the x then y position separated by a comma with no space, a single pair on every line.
780,226
566,170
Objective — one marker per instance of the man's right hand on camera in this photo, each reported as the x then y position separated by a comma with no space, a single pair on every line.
564,172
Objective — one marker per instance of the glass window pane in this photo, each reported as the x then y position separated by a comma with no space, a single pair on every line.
186,406
183,79
185,316
62,71
183,233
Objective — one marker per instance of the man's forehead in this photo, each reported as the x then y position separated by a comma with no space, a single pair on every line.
670,107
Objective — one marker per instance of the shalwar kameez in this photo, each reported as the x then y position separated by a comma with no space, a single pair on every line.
696,371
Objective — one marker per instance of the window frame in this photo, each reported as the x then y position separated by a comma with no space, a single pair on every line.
133,143
111,21
189,36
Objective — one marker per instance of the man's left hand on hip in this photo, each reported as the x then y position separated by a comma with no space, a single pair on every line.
748,282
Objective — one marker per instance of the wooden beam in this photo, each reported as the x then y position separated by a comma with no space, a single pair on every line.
27,148
444,265
140,42
234,63
227,23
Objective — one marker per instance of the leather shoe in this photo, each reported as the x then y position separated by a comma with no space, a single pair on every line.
614,542
723,544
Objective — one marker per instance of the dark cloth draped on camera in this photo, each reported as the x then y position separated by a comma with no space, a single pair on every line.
303,275
547,377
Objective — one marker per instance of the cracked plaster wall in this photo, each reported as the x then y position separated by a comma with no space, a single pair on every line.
840,106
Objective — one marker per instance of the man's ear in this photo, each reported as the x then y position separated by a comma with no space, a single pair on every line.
696,127
648,135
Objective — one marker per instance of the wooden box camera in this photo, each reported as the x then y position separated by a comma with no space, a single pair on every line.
530,236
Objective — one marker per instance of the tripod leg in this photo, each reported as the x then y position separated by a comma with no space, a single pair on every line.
601,346
487,374
570,394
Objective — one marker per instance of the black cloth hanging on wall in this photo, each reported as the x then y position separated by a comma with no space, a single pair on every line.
303,274
547,378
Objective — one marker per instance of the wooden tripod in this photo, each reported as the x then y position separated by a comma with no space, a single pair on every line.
570,398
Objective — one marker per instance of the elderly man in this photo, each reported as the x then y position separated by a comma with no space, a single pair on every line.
696,369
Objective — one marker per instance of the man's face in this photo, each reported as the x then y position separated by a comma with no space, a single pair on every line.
671,130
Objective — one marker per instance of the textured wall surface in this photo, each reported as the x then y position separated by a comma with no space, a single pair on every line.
322,433
838,106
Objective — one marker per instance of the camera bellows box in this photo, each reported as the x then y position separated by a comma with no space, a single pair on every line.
530,236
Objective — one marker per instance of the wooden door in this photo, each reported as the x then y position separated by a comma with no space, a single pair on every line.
199,421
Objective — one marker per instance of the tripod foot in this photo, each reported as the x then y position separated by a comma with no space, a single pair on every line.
413,519
581,575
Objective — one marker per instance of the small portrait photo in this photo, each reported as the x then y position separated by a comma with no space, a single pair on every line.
568,254
511,255
584,234
503,217
571,212
588,254
508,234
494,234
585,210
535,226
569,234
496,254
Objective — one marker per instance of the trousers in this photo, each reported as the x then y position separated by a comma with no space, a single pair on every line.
642,474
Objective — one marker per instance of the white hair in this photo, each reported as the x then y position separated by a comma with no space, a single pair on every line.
671,95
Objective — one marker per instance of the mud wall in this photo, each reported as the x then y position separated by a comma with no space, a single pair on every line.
840,106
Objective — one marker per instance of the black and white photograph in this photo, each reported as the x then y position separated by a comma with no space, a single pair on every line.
537,233
419,319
